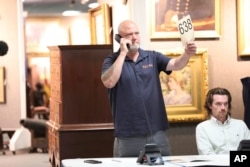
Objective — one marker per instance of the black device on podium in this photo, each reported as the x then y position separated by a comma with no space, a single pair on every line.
244,145
150,155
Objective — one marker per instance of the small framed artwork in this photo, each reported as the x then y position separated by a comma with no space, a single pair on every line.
184,91
243,27
2,85
100,25
205,16
41,32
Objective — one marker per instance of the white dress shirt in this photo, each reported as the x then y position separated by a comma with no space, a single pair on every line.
213,137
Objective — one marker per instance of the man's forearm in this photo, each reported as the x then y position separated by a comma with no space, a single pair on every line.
111,76
180,62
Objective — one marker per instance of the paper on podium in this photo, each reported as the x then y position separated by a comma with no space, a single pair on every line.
186,29
169,161
199,160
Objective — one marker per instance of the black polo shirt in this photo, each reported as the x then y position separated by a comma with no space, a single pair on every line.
137,100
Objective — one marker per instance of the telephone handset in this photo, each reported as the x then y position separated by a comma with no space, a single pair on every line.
118,39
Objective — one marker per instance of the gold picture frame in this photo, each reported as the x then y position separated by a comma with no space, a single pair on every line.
194,81
243,27
205,15
2,85
100,25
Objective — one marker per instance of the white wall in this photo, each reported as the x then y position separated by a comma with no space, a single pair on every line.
11,31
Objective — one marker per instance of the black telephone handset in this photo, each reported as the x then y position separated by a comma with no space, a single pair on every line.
118,39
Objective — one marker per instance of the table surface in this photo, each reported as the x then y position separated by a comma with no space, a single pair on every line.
170,161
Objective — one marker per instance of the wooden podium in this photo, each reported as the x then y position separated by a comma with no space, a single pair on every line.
80,124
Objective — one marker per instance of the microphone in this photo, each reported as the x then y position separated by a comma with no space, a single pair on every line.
3,48
151,153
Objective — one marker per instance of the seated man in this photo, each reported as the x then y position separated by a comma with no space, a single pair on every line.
221,133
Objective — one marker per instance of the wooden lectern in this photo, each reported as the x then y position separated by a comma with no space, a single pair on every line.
80,124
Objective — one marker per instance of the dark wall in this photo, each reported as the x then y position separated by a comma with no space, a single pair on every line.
182,139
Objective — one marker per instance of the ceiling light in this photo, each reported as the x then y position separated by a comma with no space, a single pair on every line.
71,11
93,5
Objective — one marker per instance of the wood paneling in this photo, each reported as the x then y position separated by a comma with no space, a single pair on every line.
80,116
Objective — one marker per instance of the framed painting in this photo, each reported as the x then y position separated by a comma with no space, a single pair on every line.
243,27
184,90
100,25
41,32
2,85
205,16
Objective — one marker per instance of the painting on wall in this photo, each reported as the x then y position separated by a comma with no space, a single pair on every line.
2,85
177,87
243,27
41,33
184,91
205,15
100,23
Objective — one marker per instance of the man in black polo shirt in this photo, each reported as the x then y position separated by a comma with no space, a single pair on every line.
132,78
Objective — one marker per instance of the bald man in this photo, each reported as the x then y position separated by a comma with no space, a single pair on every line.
131,76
